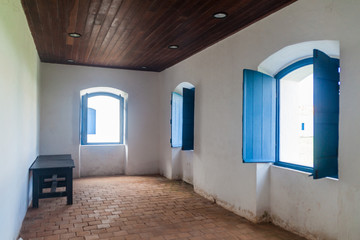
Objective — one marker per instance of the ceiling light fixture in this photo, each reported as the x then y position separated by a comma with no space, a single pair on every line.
70,60
75,35
173,46
143,67
220,15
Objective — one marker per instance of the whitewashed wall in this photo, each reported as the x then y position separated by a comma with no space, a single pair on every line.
333,206
19,116
102,160
60,118
218,172
323,209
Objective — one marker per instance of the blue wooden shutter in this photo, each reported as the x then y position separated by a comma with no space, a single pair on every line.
326,115
121,99
176,119
259,117
91,121
188,119
84,107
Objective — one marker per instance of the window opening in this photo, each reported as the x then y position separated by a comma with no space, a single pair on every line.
304,114
106,127
102,118
182,116
296,114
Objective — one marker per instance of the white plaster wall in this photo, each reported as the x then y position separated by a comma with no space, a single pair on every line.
182,165
219,172
176,163
60,112
102,160
187,160
263,200
19,67
303,205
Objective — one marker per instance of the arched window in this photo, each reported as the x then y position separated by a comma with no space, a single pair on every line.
182,116
296,114
102,118
292,119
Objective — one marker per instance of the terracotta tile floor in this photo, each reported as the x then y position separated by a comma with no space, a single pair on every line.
139,208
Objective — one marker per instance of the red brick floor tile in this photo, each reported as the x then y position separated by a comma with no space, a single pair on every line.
134,208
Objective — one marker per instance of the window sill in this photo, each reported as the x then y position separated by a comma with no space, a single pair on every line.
294,166
291,169
300,172
102,144
180,148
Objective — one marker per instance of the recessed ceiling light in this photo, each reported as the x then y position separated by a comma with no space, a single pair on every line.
70,60
173,46
75,35
220,15
143,67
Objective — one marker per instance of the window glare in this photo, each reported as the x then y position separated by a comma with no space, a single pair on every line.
296,118
177,120
107,119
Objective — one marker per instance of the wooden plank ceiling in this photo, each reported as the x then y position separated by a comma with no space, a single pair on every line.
135,34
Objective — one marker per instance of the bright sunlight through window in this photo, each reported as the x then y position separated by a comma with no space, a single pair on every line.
296,117
107,120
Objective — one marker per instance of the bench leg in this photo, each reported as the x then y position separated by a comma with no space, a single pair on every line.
69,187
36,186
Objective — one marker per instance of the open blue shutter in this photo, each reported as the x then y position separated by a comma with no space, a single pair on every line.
188,119
326,115
84,115
259,117
121,99
91,121
176,119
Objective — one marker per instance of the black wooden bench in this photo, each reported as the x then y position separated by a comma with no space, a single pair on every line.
52,172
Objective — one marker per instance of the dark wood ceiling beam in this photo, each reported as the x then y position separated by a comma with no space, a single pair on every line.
130,23
168,29
88,30
107,41
69,12
230,27
105,28
46,11
100,16
163,26
81,17
180,32
131,34
186,31
176,35
116,32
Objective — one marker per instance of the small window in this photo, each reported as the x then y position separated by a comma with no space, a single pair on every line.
176,119
182,119
102,118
